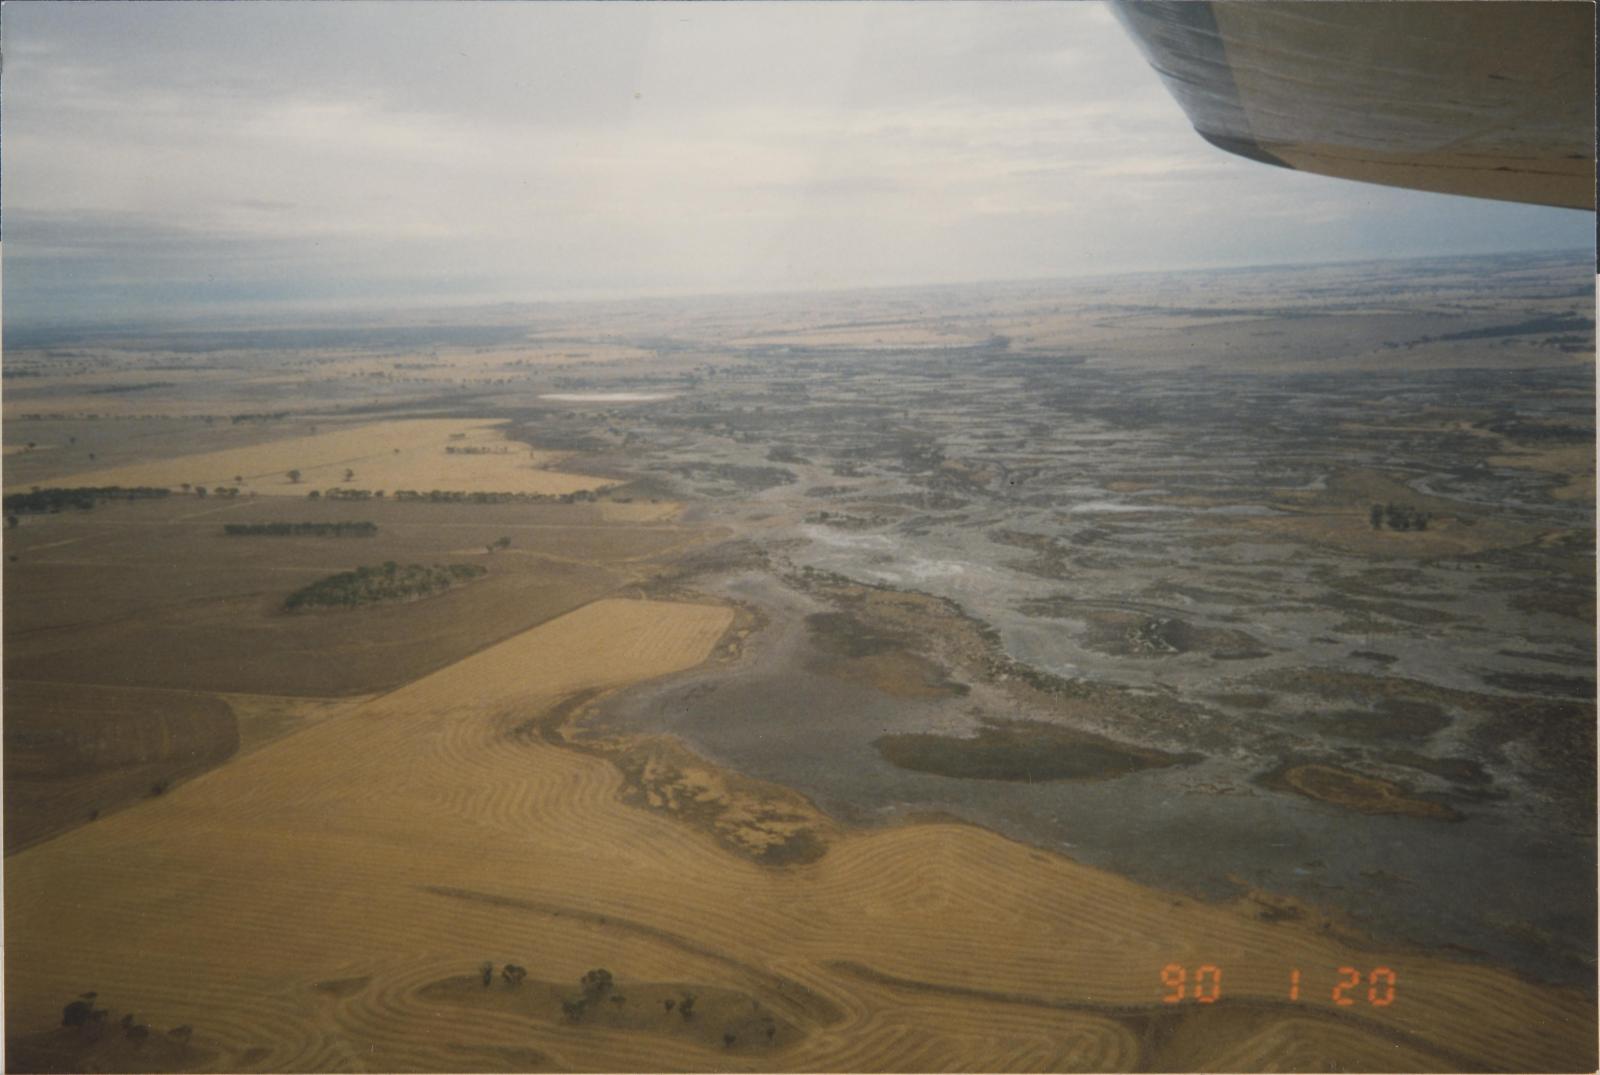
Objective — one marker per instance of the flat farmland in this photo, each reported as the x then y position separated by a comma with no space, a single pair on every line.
75,751
464,455
152,594
355,874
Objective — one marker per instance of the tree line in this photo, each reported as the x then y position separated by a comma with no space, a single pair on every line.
300,529
84,497
446,496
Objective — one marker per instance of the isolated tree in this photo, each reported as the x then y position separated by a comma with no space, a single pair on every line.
513,974
686,1006
179,1036
487,972
138,1033
184,486
597,983
11,522
1376,516
238,479
77,1013
294,475
349,475
314,495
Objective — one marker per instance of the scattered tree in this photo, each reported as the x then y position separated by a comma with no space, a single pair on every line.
596,983
686,1006
513,974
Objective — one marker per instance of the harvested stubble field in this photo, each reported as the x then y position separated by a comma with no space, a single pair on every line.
411,454
303,907
153,594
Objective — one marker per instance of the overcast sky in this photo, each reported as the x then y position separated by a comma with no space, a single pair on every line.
168,158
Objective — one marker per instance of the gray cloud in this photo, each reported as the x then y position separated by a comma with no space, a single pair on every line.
283,151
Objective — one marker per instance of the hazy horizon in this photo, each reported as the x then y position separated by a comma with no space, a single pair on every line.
176,161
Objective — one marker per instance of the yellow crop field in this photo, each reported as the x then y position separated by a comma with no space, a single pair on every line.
308,907
467,455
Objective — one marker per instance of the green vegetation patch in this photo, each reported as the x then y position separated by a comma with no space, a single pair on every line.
1023,750
387,582
300,529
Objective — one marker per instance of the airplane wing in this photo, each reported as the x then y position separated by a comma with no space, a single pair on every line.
1487,99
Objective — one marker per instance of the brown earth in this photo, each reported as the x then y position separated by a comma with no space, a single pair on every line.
74,752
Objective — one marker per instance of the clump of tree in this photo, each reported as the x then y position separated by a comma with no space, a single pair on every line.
593,987
1397,517
596,983
360,529
386,582
457,496
84,497
91,1022
353,494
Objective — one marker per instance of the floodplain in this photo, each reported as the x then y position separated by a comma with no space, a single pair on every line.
1164,672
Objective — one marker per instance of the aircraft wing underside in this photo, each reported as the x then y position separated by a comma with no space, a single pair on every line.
1492,100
